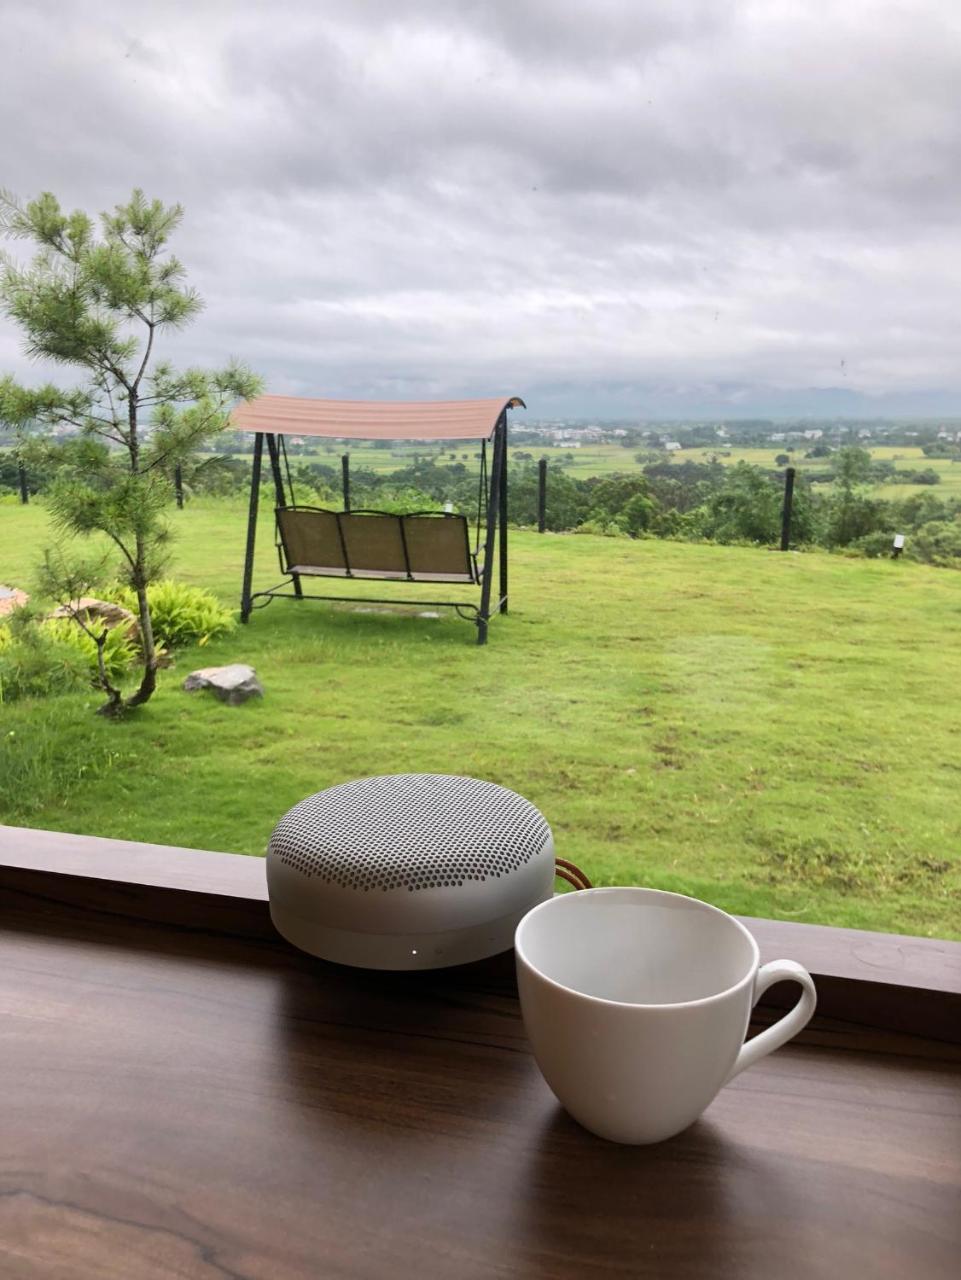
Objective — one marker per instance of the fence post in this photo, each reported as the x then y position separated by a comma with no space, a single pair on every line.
179,485
24,491
786,512
345,478
541,495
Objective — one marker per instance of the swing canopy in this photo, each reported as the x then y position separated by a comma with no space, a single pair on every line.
420,546
373,420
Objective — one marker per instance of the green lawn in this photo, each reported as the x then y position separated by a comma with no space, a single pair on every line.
776,733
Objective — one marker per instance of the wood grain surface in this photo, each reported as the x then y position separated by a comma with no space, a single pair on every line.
181,1104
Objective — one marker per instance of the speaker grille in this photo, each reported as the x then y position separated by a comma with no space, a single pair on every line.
410,830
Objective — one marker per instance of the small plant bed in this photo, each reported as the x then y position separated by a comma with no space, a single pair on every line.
42,654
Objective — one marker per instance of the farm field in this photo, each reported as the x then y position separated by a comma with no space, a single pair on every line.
606,459
776,733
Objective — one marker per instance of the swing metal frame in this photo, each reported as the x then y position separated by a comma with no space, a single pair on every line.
490,526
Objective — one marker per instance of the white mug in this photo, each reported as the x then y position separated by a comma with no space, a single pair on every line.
637,1003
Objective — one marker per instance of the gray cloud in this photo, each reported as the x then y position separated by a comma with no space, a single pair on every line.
615,206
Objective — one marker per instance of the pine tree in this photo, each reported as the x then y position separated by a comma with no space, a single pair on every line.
98,301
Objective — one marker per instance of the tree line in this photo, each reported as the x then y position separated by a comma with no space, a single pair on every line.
687,501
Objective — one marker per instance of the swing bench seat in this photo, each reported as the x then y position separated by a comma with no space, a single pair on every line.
423,546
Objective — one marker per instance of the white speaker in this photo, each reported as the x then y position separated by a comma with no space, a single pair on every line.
408,871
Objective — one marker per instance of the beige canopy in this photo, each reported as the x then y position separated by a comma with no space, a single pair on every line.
373,419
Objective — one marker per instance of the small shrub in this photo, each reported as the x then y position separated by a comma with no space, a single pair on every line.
35,663
602,528
40,657
181,614
637,514
398,501
681,526
851,515
874,545
938,542
119,651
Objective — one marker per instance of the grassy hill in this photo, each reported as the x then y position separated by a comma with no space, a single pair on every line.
777,733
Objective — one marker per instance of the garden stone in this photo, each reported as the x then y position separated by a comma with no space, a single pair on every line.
11,598
232,684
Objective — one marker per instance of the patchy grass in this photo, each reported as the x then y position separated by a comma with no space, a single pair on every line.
776,733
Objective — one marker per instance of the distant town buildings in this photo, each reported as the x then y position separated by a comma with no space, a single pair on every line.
673,437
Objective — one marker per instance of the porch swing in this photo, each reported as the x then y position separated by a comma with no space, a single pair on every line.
371,545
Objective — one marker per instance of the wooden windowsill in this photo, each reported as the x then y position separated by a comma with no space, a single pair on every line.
185,1094
886,982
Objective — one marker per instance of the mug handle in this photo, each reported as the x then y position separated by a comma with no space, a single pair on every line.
782,1031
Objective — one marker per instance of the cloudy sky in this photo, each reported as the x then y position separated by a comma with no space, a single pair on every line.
622,207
